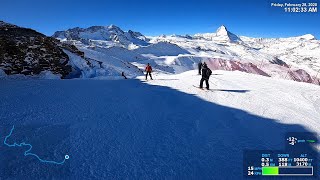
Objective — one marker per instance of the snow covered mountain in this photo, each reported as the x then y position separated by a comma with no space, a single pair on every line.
95,34
25,51
295,58
107,51
222,35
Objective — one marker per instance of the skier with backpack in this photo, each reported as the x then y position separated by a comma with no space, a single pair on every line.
206,73
148,70
199,67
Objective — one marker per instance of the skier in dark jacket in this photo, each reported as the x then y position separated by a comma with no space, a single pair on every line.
148,70
122,74
199,67
206,72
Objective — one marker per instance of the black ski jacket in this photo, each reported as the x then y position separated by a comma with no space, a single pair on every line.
204,72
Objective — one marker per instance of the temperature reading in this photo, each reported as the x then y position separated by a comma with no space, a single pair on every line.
292,140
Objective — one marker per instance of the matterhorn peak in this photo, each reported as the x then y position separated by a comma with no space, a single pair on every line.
223,34
222,30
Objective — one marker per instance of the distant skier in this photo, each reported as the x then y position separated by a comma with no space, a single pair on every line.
200,67
148,70
122,74
206,73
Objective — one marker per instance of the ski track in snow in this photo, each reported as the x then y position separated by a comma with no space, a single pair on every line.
163,128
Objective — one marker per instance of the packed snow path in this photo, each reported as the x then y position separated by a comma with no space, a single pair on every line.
166,128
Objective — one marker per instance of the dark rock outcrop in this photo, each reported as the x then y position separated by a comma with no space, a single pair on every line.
279,62
26,51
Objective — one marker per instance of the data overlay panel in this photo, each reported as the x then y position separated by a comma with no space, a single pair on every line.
299,158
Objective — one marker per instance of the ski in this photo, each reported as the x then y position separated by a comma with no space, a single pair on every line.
204,89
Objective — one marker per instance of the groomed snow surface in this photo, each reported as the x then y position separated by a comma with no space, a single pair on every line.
160,129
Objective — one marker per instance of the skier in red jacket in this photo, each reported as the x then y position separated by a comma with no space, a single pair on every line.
148,70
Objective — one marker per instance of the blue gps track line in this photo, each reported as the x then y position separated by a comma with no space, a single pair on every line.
27,152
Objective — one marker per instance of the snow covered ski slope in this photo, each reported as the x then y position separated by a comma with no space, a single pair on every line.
289,102
160,129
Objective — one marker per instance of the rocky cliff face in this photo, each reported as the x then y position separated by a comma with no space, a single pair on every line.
25,51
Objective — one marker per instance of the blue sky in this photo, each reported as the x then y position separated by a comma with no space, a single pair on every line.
154,17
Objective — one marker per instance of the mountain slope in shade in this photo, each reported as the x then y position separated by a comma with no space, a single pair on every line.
25,51
7,25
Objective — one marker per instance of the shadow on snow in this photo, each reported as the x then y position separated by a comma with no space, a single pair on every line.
231,90
128,129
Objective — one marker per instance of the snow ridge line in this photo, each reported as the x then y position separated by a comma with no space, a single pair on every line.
27,152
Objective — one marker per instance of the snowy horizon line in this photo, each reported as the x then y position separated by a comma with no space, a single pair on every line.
185,34
169,34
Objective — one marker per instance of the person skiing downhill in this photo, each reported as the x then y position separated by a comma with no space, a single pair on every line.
122,74
148,70
206,73
199,67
